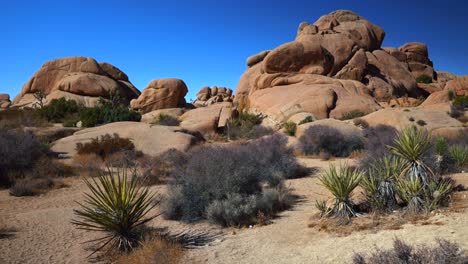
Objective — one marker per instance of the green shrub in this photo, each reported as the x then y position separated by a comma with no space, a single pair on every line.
353,114
451,95
290,128
58,109
445,252
105,113
459,154
460,101
117,206
165,120
441,146
341,183
246,126
105,146
424,79
308,119
321,138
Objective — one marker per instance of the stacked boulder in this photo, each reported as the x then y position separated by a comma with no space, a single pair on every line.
81,79
208,96
4,101
161,94
334,66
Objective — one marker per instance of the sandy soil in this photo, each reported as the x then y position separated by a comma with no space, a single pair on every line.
43,233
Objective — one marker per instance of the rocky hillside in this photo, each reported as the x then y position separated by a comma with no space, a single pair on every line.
334,66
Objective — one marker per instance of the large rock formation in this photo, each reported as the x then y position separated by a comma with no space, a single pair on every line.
77,78
207,96
151,140
335,65
161,94
209,119
4,101
459,86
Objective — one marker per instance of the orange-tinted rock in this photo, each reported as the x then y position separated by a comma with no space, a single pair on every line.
160,94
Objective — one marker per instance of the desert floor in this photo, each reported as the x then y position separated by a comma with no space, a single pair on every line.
40,230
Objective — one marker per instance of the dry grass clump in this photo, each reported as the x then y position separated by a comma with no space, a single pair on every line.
157,170
246,126
105,146
152,251
165,120
445,252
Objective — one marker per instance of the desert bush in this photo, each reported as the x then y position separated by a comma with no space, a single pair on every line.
59,109
341,183
353,114
247,126
105,146
445,252
30,186
157,169
375,144
460,101
215,172
451,95
117,206
424,79
165,120
18,118
306,120
18,154
290,128
421,122
459,154
106,113
90,164
324,138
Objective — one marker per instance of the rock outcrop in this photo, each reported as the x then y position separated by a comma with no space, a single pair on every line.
207,119
4,101
151,140
459,86
208,96
334,66
77,78
161,94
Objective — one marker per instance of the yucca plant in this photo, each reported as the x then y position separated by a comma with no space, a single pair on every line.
341,183
459,155
411,190
410,145
379,180
117,206
438,191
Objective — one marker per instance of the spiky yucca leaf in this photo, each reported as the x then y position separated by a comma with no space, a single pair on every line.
411,191
439,191
411,143
117,206
341,183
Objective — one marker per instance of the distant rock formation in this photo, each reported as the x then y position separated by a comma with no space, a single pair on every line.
208,96
4,101
161,94
334,66
81,79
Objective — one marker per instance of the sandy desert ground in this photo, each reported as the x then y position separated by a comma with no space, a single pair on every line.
41,231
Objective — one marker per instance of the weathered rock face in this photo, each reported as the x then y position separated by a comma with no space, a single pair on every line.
4,101
334,65
77,78
208,96
161,94
459,85
151,140
207,119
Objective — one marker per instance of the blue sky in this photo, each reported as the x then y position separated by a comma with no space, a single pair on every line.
203,42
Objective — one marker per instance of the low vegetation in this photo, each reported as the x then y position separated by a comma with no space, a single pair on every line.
246,126
156,170
306,120
459,154
106,146
117,205
353,114
229,185
290,128
424,78
445,252
321,138
165,120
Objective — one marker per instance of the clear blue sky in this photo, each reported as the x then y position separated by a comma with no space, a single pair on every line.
203,42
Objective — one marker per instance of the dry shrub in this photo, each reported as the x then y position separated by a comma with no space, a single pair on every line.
88,163
445,252
32,187
105,146
153,251
156,170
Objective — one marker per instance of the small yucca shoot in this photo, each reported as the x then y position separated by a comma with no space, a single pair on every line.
411,144
116,206
459,155
439,191
411,190
341,183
